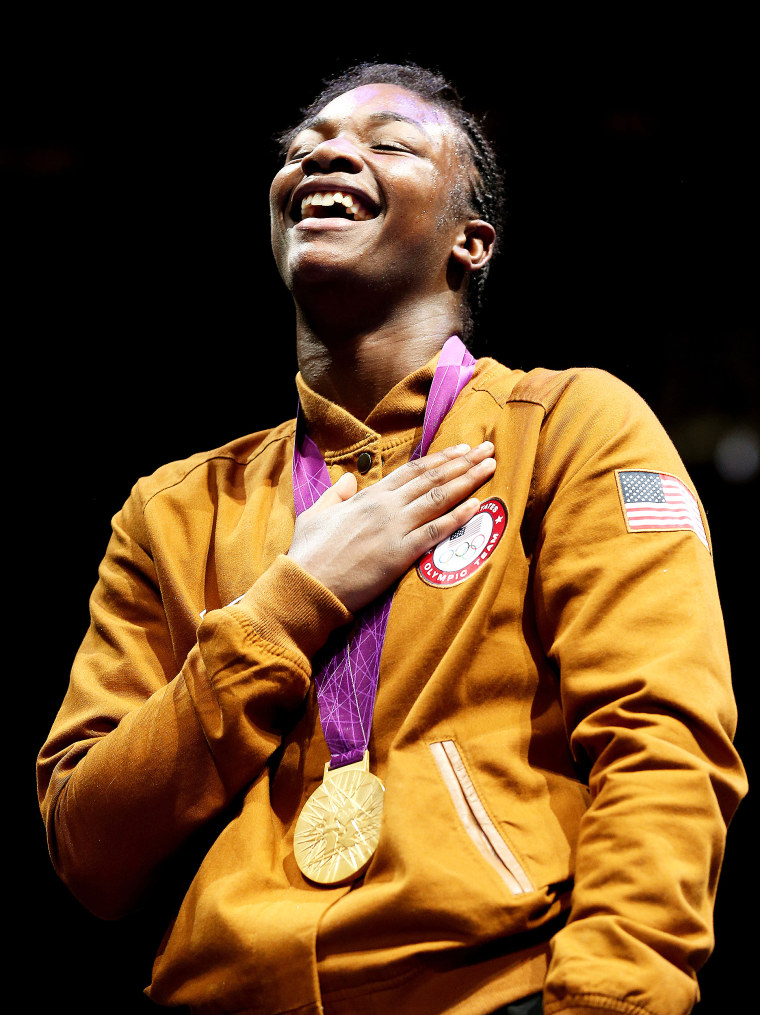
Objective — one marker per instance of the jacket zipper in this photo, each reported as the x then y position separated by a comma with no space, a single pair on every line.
475,819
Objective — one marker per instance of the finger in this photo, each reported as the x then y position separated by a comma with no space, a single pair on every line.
436,477
418,466
439,467
342,490
440,498
434,530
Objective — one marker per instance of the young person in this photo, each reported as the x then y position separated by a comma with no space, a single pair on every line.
440,664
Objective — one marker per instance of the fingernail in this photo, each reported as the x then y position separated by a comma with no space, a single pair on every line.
462,449
486,444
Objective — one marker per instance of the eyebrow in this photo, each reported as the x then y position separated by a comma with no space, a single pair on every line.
381,116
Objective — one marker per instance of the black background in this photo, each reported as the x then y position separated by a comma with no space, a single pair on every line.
144,319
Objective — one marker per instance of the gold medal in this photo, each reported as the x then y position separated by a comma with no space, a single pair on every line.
339,828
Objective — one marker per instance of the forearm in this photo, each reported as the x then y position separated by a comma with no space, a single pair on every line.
648,704
120,796
648,858
121,803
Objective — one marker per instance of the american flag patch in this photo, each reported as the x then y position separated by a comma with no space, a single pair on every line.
658,502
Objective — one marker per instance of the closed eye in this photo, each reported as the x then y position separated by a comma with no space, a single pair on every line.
298,155
385,147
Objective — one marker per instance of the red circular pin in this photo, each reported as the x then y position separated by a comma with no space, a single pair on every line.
461,554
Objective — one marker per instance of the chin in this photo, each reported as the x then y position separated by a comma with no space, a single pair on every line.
311,267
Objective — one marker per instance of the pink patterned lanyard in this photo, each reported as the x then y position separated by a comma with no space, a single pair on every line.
346,670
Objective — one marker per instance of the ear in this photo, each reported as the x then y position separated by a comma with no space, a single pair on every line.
474,245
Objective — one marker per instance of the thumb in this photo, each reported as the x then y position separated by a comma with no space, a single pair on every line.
340,491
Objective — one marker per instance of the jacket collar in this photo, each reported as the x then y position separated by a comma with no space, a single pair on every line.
394,420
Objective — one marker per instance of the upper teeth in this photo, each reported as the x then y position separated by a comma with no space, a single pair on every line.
325,199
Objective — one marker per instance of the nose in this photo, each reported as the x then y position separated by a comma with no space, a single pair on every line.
333,155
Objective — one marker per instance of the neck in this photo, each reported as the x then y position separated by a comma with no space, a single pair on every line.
356,367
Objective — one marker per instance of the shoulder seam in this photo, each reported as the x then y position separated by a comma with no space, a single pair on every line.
215,455
542,386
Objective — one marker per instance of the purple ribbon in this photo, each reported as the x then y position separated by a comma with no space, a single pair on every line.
346,670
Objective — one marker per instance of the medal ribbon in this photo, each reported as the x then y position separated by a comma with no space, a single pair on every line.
346,670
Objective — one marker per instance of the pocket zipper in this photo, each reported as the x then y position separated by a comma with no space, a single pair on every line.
475,819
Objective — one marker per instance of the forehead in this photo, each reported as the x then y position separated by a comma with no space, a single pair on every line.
381,103
380,98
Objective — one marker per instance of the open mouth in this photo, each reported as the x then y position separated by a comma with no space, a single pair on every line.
332,204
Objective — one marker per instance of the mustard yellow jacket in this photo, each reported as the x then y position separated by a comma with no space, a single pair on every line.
553,730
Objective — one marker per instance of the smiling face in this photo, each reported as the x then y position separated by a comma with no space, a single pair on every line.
373,191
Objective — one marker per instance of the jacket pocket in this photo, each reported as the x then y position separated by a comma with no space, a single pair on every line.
475,819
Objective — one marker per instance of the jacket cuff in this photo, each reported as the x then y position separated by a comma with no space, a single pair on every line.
290,609
594,1004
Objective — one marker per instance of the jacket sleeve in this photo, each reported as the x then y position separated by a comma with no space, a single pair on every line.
140,755
631,619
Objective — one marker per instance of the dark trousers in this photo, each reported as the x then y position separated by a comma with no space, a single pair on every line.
527,1006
